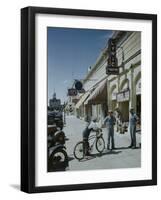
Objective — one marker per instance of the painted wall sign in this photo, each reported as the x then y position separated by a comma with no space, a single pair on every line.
114,95
123,96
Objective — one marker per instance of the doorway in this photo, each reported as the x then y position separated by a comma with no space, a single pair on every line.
124,108
138,105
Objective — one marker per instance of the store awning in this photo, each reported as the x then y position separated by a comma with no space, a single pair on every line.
82,99
99,95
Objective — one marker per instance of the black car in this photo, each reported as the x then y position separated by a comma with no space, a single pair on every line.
55,117
57,155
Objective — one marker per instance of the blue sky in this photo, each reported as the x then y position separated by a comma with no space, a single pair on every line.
70,53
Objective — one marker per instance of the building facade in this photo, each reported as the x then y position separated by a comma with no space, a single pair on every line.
94,101
124,89
107,92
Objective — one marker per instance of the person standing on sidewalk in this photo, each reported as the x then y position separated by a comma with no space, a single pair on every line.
132,125
118,117
110,122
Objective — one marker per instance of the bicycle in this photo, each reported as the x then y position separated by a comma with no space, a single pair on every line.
98,141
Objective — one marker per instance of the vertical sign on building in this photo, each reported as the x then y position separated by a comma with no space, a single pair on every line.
112,65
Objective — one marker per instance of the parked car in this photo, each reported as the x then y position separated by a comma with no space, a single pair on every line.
57,155
55,117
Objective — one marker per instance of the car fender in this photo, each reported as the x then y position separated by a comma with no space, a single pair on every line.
54,148
59,131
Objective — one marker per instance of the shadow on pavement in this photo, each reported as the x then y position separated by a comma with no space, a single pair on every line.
119,148
137,148
92,156
70,158
109,152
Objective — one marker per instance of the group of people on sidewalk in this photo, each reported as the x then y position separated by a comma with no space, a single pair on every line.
110,121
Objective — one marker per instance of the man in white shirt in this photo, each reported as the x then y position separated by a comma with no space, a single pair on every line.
92,126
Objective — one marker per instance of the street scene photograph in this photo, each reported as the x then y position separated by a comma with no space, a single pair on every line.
94,99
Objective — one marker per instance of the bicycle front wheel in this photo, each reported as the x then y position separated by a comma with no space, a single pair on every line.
79,150
100,144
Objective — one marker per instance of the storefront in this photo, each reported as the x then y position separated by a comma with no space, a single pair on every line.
123,101
98,101
79,107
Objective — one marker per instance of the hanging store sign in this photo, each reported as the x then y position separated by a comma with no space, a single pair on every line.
81,91
112,61
72,92
112,70
112,46
78,85
123,96
112,64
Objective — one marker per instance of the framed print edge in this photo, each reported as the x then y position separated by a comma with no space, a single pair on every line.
154,99
24,101
28,99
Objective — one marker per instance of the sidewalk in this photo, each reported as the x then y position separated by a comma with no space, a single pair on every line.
122,157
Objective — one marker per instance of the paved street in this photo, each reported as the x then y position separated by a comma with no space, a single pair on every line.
122,157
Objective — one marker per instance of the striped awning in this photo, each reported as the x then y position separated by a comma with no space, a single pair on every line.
99,95
82,99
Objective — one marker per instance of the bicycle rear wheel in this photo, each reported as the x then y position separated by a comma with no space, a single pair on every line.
79,150
100,144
